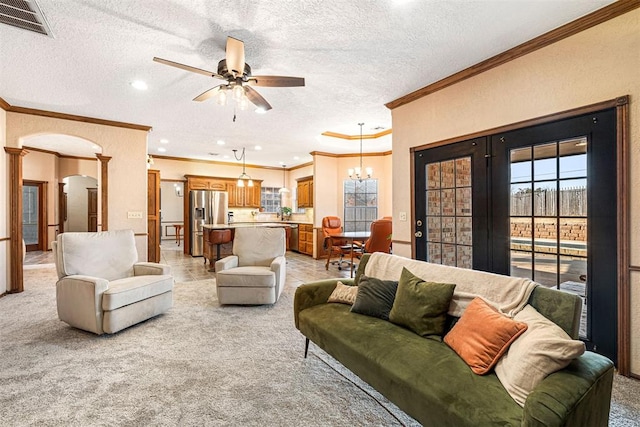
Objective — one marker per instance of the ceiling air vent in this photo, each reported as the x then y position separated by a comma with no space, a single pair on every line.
25,14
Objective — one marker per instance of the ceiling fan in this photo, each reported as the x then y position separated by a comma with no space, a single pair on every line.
237,73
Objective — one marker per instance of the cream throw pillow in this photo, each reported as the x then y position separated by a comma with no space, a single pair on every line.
344,294
542,349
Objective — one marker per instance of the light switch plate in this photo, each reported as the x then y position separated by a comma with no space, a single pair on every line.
403,216
134,215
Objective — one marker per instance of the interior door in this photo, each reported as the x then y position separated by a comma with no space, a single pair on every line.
34,214
451,225
92,209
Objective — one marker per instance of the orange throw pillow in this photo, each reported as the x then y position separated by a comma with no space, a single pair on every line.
483,335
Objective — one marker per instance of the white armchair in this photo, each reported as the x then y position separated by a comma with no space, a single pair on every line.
256,271
102,288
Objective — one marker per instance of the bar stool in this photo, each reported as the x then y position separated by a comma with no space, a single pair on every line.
219,237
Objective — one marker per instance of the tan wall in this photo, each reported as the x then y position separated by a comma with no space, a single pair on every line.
37,166
69,167
127,168
596,65
4,211
78,202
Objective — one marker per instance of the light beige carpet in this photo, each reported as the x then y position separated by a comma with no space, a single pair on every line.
199,364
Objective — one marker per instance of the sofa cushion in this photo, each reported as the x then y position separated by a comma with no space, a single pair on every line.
130,290
375,297
262,277
483,335
421,306
543,349
343,294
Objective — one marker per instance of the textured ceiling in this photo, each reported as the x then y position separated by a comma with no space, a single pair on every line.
355,56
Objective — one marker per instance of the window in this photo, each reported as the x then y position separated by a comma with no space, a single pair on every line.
360,204
270,199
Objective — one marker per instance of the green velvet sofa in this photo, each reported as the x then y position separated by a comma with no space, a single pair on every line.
428,380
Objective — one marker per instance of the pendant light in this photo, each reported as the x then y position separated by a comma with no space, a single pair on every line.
356,173
243,176
284,188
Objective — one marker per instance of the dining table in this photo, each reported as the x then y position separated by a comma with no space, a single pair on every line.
352,236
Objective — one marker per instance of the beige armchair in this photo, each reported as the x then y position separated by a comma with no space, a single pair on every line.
102,288
256,271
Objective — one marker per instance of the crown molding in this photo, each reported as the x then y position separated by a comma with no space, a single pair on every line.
611,11
320,153
304,165
55,153
213,162
53,114
357,137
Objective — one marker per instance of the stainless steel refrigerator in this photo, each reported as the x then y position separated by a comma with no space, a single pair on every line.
205,207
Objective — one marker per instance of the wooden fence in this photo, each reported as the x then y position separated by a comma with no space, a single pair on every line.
545,202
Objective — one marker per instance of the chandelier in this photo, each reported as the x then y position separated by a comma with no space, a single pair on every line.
357,172
243,176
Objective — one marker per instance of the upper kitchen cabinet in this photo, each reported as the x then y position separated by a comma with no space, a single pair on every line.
239,197
305,192
244,197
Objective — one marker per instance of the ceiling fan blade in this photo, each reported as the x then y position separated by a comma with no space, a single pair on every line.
208,94
187,68
276,81
257,99
235,56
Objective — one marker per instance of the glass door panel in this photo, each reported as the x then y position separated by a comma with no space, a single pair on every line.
30,215
449,222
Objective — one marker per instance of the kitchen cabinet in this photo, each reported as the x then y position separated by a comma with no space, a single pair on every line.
305,192
244,197
305,239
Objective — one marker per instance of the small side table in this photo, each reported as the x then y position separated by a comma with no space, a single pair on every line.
178,227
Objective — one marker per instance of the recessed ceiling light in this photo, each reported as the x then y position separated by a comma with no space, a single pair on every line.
220,142
225,156
139,84
257,148
162,149
164,141
281,163
296,158
261,110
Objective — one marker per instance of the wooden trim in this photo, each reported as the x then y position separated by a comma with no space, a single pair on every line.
104,194
52,225
357,137
4,294
321,153
16,283
634,376
221,178
412,201
173,180
624,243
634,268
55,153
5,239
214,162
304,165
613,103
401,242
611,11
140,234
4,105
75,118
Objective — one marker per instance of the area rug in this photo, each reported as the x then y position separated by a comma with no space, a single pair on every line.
198,364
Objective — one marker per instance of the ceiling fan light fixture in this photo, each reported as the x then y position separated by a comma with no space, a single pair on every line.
238,92
222,97
244,103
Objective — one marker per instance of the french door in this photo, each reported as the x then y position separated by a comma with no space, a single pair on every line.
542,205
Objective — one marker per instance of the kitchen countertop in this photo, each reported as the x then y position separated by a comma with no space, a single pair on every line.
250,224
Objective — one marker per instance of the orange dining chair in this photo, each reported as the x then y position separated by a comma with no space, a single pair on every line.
332,225
380,238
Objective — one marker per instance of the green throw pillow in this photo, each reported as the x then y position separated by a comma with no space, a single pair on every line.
421,306
375,297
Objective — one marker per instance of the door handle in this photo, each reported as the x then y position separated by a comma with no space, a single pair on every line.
419,223
418,233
